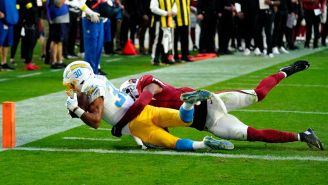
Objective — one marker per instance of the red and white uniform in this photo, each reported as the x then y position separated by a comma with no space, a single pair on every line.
211,115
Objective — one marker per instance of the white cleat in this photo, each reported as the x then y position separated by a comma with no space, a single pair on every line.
217,144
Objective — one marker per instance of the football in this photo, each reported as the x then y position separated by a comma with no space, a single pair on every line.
83,103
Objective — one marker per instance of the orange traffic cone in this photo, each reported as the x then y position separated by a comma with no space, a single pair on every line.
129,48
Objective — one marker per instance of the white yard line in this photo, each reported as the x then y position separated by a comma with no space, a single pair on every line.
282,111
46,115
4,79
280,85
91,139
28,75
107,129
113,59
145,152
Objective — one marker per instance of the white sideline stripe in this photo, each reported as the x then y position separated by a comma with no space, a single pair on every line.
42,116
282,85
113,60
108,129
28,75
282,111
91,139
3,79
219,155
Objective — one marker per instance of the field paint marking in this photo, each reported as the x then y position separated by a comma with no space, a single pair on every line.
49,115
282,85
113,60
91,139
175,153
28,75
107,129
4,79
281,111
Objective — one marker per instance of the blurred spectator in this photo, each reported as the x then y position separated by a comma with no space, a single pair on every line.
207,16
280,21
132,17
163,13
238,30
264,20
291,23
324,27
144,25
17,35
193,23
225,11
30,33
58,14
8,18
93,36
251,10
74,15
181,31
312,11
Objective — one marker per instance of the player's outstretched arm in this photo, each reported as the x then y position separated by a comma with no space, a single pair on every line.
138,106
93,115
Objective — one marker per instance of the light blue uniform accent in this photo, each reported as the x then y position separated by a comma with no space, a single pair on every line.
186,115
184,144
93,35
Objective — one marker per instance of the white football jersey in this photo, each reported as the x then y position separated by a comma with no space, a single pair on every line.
116,103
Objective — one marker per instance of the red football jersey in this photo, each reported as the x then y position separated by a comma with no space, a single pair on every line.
169,97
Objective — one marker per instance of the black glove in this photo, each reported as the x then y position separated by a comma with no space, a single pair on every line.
116,131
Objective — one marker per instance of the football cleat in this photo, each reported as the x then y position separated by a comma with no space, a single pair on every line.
217,144
312,140
195,97
295,67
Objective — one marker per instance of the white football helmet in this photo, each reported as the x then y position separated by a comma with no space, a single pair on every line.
75,74
130,87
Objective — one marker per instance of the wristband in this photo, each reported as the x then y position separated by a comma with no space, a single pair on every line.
78,111
84,7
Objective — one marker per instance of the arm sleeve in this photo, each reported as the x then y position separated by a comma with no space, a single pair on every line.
174,8
154,7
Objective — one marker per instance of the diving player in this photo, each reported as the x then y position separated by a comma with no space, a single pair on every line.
213,115
108,103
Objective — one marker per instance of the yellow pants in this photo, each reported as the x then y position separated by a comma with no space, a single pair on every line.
149,126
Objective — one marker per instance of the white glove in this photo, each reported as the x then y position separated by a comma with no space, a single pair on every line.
71,103
73,3
94,16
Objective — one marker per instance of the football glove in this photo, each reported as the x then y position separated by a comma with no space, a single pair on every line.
71,103
94,16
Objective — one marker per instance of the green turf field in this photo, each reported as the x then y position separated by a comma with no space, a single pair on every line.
85,156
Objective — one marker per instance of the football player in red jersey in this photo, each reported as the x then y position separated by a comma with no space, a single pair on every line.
213,115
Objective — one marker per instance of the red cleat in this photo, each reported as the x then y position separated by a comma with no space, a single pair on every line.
31,67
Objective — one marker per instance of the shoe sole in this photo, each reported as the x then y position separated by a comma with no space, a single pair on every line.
199,95
319,144
218,144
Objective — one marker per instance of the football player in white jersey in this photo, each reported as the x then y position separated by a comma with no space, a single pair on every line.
108,103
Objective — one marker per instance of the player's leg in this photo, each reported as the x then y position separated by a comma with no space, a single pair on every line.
230,127
242,98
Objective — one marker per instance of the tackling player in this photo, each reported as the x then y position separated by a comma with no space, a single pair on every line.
106,102
213,115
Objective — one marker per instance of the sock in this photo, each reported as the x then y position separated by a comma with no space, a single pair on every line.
267,84
187,106
186,115
270,136
301,136
184,144
196,145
